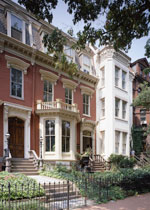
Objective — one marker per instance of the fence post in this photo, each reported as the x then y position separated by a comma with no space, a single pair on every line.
68,194
85,191
9,194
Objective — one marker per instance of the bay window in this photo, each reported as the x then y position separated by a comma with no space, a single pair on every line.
65,136
49,135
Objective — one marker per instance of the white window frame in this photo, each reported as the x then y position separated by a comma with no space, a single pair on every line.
102,77
102,107
124,80
124,111
68,89
23,28
124,143
117,141
22,92
117,107
68,55
48,92
86,67
117,79
86,105
50,136
66,137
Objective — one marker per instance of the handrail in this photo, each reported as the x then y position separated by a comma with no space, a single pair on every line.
91,163
35,157
100,159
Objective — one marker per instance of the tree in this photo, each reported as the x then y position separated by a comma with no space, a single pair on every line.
124,19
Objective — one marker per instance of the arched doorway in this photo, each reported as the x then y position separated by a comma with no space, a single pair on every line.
87,140
16,141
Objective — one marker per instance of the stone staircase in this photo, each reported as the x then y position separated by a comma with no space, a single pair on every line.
98,166
97,163
61,192
24,166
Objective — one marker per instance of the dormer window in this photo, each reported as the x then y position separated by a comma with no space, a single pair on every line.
70,53
16,28
86,64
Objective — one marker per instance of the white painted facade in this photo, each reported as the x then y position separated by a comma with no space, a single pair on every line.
107,60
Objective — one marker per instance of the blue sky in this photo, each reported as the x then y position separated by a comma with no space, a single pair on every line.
63,21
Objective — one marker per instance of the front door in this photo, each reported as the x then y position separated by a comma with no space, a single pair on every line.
16,141
87,140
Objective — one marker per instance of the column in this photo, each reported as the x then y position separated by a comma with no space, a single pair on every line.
5,123
73,140
58,139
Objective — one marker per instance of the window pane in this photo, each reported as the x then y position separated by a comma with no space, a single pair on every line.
53,143
47,122
27,34
16,28
47,143
63,144
67,144
65,136
16,83
48,91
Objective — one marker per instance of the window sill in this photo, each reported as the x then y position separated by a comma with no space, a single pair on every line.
102,118
50,153
124,120
15,97
86,115
124,90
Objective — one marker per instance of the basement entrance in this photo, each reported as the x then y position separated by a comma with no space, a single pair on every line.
16,140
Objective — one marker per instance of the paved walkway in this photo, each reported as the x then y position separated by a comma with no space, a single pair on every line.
46,179
139,202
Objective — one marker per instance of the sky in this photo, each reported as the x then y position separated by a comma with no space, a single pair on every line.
63,21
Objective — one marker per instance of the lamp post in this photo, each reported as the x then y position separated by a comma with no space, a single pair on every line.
41,161
7,148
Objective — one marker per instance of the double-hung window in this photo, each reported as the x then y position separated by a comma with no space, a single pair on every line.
86,104
124,142
117,141
70,53
124,80
124,108
102,75
49,135
103,107
16,80
48,91
19,29
86,64
117,107
68,95
116,76
65,136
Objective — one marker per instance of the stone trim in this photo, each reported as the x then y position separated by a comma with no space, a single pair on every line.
13,62
47,75
69,84
88,125
86,90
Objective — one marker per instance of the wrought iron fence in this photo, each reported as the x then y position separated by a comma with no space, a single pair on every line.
53,196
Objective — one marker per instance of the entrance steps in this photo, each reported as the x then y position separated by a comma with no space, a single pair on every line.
98,166
24,166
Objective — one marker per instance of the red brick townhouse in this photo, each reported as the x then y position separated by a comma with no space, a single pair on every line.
38,102
141,117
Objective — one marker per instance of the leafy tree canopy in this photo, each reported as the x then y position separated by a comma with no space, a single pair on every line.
124,19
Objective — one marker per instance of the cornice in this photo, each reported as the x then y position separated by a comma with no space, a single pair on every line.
15,47
88,124
47,75
69,84
13,62
17,106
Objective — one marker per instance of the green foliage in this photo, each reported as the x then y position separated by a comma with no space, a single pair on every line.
137,138
119,21
120,161
21,186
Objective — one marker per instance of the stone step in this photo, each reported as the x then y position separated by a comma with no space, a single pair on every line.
28,173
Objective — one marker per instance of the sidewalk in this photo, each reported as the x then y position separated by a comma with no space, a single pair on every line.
139,202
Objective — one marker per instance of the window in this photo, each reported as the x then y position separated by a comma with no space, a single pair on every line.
48,91
143,115
124,80
102,71
50,136
102,142
124,140
117,106
65,136
16,28
69,53
86,104
86,64
19,30
102,107
124,107
116,76
68,96
16,83
117,140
